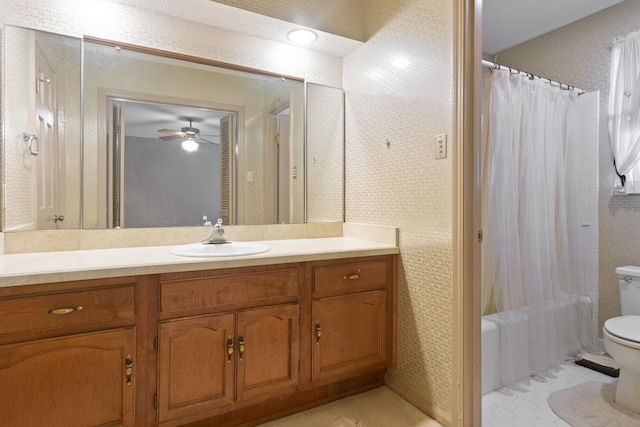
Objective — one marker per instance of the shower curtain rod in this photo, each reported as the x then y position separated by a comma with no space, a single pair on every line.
494,66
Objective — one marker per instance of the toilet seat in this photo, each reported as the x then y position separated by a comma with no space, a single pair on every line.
624,330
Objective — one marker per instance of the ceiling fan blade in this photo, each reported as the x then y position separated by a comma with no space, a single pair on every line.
175,132
206,140
171,137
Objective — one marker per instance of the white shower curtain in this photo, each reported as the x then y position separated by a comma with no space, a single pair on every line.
624,112
531,247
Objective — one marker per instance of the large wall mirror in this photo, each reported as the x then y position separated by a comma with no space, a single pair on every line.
100,135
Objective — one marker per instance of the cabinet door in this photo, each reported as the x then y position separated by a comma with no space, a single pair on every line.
268,359
195,368
349,333
81,380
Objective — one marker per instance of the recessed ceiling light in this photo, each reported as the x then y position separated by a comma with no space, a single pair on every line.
302,36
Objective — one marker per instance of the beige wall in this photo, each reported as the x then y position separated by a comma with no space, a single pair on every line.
399,89
579,55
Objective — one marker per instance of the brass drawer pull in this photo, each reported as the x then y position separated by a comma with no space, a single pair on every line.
63,310
128,368
354,276
318,332
241,347
229,349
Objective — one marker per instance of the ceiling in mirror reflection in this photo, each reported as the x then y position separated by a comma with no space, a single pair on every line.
147,120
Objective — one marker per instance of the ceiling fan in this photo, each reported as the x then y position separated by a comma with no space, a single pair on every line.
186,133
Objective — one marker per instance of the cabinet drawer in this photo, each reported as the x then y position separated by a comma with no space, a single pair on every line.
60,310
353,276
228,290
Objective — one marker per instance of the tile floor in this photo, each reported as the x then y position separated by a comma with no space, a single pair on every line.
529,408
380,407
502,408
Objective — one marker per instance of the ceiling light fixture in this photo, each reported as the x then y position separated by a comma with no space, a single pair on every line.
189,145
302,36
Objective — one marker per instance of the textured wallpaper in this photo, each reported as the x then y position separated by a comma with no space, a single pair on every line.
18,163
325,153
398,97
579,54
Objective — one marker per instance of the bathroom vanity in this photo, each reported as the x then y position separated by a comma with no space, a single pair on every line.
140,337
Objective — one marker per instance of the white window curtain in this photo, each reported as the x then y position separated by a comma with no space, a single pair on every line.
531,251
624,113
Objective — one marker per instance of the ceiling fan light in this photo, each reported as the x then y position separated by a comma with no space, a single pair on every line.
189,145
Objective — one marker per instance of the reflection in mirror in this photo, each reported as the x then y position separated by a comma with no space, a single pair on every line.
41,149
173,175
260,150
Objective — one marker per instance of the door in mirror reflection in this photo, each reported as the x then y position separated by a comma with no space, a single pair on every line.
171,158
41,130
46,152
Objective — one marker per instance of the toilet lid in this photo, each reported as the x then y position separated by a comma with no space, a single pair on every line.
625,327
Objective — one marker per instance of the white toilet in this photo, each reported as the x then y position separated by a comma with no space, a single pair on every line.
622,338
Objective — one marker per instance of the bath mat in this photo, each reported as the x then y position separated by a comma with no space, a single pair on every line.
346,422
591,405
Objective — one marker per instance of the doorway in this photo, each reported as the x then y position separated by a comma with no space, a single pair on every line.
165,164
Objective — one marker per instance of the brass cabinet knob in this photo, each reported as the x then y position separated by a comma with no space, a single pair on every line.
318,332
229,349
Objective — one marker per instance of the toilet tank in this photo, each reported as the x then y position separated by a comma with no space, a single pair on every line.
629,283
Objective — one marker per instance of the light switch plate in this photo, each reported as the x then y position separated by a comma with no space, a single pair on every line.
441,146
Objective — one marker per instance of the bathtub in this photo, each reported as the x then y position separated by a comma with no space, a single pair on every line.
490,352
490,341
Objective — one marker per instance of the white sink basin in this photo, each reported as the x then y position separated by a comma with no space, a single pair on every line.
220,250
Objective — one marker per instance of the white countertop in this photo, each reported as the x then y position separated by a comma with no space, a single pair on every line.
47,267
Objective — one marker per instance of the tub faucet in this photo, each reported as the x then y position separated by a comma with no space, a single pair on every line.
217,237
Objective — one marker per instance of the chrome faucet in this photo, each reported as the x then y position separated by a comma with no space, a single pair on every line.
217,237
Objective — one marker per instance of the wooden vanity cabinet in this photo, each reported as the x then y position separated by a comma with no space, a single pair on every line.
226,347
352,326
244,352
68,354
